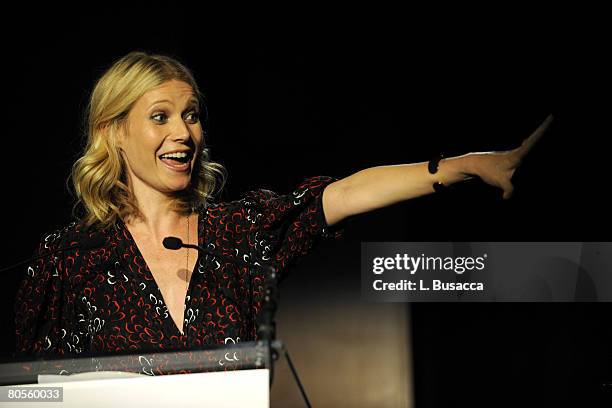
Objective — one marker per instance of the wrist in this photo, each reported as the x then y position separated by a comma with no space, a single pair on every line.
462,167
470,164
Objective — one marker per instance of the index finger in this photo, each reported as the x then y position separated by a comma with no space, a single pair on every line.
528,144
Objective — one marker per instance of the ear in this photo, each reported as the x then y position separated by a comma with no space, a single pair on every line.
117,133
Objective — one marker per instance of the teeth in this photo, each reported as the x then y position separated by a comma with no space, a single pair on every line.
180,155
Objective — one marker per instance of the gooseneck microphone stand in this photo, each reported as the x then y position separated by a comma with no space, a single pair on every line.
266,321
266,328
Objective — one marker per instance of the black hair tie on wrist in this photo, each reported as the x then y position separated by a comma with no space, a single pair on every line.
439,187
432,166
433,163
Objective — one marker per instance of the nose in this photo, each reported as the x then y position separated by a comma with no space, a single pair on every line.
180,131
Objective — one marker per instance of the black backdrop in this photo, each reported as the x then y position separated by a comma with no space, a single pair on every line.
296,96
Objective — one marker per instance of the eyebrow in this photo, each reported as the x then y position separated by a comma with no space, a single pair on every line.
190,102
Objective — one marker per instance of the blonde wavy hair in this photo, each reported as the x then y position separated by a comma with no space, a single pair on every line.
98,177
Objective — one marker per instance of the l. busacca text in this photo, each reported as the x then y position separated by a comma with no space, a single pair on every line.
436,285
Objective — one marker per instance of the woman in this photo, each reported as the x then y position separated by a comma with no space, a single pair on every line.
145,175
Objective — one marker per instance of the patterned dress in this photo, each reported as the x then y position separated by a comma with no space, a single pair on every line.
105,299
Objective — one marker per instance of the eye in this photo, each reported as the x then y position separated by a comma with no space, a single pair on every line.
193,116
159,117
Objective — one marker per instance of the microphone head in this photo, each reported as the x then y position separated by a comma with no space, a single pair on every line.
172,243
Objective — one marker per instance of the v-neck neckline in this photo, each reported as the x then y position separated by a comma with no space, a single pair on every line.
172,323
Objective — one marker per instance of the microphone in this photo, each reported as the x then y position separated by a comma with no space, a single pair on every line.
83,241
175,243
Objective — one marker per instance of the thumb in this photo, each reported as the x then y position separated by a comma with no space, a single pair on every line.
508,190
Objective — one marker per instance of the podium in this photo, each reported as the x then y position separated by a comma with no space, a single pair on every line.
236,375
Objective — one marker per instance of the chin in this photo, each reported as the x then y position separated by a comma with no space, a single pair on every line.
177,187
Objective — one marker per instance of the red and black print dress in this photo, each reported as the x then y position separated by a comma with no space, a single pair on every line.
105,299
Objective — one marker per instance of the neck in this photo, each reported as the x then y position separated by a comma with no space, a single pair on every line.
159,219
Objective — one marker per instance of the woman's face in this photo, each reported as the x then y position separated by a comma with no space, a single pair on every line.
163,137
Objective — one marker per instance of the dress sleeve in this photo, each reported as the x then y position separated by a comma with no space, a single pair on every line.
289,225
46,320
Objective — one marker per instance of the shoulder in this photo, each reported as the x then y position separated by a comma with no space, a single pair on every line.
223,214
307,189
71,234
58,236
266,206
310,187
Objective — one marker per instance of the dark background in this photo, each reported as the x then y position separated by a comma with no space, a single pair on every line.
311,93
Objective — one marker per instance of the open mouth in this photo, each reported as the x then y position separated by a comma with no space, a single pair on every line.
177,160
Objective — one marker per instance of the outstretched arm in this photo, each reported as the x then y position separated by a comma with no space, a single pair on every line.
381,186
